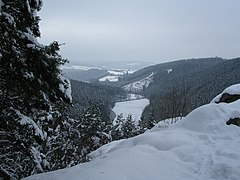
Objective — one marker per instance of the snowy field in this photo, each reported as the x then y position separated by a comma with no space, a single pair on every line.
78,67
109,78
198,147
132,107
115,74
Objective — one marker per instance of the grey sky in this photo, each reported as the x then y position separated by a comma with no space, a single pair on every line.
142,30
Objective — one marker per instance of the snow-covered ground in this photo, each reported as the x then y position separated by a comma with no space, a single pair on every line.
109,78
78,67
198,147
134,97
115,74
118,73
139,85
165,123
131,107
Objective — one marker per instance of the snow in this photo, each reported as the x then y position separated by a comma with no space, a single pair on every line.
234,89
114,75
165,123
132,107
199,146
118,73
28,6
109,78
9,18
28,75
78,67
32,39
134,97
65,87
37,158
24,120
139,85
169,71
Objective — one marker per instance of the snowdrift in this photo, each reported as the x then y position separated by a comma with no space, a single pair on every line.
200,146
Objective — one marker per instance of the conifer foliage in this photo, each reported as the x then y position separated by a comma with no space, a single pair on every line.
30,87
93,130
124,128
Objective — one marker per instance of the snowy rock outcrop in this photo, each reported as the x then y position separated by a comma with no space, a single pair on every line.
199,146
229,95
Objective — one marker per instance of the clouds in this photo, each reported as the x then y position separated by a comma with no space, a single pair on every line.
142,30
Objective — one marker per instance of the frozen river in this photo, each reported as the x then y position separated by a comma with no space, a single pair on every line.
131,107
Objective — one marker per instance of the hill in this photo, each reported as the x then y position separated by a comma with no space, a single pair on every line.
176,88
86,95
85,74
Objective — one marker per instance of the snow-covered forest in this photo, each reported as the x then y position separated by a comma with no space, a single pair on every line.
176,125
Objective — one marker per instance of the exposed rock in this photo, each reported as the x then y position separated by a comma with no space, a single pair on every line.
235,121
228,98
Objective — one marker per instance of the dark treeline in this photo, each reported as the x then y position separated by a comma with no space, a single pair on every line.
86,95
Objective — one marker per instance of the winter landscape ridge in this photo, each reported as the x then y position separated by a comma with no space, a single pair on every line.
145,116
200,146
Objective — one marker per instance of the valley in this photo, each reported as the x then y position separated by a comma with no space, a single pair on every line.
175,88
119,90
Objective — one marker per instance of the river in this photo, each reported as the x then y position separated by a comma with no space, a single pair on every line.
132,107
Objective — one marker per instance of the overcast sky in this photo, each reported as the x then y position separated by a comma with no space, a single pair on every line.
142,30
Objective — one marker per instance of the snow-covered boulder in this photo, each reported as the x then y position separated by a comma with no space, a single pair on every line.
230,94
199,146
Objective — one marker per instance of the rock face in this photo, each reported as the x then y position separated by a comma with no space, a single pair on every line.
228,98
234,121
229,95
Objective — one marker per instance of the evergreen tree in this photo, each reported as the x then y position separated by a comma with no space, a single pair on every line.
93,131
151,122
116,132
30,86
129,128
145,124
124,128
63,146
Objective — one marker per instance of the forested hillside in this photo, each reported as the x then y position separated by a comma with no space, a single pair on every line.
86,95
85,75
180,86
189,86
